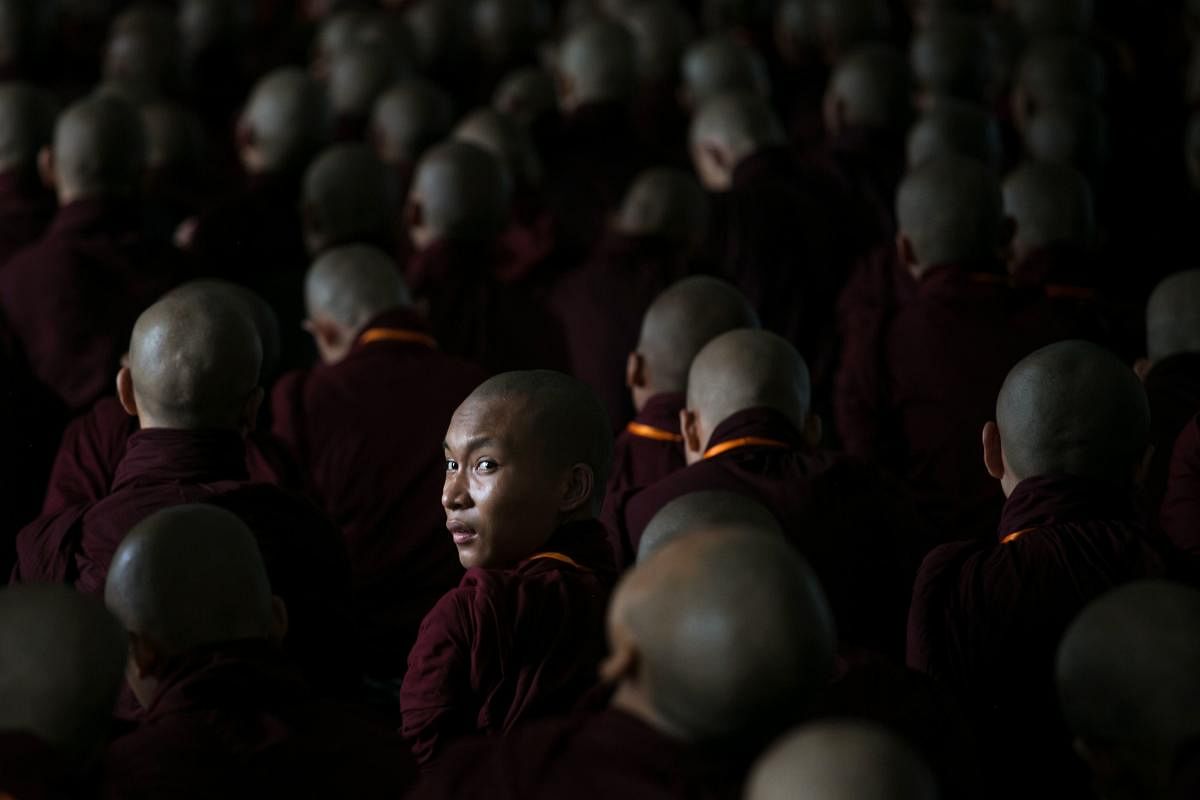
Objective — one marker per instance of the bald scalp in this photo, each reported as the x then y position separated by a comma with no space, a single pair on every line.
526,95
951,211
194,360
661,31
733,633
842,760
62,659
1051,68
1052,204
952,58
953,127
746,369
99,148
699,511
354,284
258,311
463,192
1173,316
174,137
409,118
347,198
1069,130
504,30
142,56
503,137
1128,669
682,320
598,62
559,412
742,123
871,87
719,65
190,576
284,120
358,77
664,202
1073,408
26,125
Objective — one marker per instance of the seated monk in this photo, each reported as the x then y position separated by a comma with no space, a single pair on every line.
1051,68
655,240
357,77
368,443
841,760
529,96
951,57
955,127
1055,218
721,65
717,643
676,327
409,118
1070,435
62,658
192,382
142,59
526,458
457,208
347,199
1128,675
26,126
1071,130
70,298
226,713
702,511
93,444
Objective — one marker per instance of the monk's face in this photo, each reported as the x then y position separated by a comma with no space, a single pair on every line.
501,495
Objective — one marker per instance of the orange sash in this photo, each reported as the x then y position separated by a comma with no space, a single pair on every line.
396,335
559,557
748,441
1012,537
650,432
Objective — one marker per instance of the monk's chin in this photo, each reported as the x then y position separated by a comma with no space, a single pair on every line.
469,554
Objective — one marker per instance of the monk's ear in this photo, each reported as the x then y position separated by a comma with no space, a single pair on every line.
145,657
993,457
905,250
279,619
249,420
690,428
47,170
635,371
1142,368
580,486
125,391
622,662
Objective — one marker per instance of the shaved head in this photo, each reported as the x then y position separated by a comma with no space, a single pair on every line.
526,95
952,58
190,576
953,127
1052,204
258,310
597,63
409,118
870,88
503,137
1073,408
505,30
1173,316
719,65
194,361
357,77
1051,69
842,760
950,210
354,284
832,26
347,198
662,31
700,511
665,202
1041,18
462,193
685,318
1128,673
746,369
358,29
439,31
142,56
1071,130
732,634
99,148
62,659
26,125
283,122
174,137
741,123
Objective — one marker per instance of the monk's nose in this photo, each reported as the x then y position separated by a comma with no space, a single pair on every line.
454,492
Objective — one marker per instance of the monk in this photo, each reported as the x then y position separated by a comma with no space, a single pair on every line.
954,127
720,65
702,511
142,56
26,126
62,657
71,297
693,703
1070,130
1054,212
507,32
226,713
528,95
951,58
1053,68
677,326
357,77
662,31
368,444
527,455
1127,680
178,165
654,241
457,208
347,200
192,382
843,760
1070,435
409,118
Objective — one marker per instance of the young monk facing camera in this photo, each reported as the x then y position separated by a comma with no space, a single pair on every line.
527,455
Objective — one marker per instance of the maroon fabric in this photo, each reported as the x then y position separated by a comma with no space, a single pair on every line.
71,298
26,208
303,551
640,460
1173,389
986,618
606,755
372,451
510,644
869,163
31,770
238,721
1180,515
475,316
93,445
601,306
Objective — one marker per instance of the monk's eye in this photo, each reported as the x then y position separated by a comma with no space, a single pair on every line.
485,465
451,465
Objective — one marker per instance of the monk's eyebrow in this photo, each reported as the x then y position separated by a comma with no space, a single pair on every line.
473,444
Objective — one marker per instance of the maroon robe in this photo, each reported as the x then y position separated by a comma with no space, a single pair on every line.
26,208
1173,389
986,618
601,306
93,445
1180,514
371,447
510,644
236,720
604,755
303,551
71,298
647,450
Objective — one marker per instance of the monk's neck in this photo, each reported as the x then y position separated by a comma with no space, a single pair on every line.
634,702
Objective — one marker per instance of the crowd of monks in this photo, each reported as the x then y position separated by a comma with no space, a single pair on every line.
576,399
